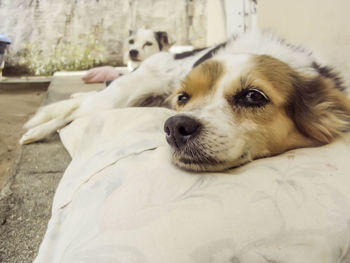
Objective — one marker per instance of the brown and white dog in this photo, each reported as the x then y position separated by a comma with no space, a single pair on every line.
250,97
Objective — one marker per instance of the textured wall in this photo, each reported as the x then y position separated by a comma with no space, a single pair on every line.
73,34
322,25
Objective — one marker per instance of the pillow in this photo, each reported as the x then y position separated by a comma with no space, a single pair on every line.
122,200
100,74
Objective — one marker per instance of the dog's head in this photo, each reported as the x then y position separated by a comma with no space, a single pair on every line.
143,43
237,108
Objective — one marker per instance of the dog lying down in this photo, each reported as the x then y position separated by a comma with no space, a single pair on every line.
253,96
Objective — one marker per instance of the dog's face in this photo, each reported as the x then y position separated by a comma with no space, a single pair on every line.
237,108
144,43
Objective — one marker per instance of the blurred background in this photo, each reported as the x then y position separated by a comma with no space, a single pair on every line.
49,36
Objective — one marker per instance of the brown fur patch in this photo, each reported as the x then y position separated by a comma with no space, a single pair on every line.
319,109
201,81
274,77
275,131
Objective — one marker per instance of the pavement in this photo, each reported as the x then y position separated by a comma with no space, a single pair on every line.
26,199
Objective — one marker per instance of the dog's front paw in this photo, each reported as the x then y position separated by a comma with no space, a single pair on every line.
82,94
33,135
28,137
40,132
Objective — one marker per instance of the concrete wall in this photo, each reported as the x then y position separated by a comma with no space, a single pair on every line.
216,29
228,17
323,25
74,34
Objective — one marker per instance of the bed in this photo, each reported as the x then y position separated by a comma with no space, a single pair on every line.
122,200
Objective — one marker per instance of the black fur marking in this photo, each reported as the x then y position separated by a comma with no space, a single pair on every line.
162,38
187,53
209,54
208,160
294,47
152,100
329,72
108,82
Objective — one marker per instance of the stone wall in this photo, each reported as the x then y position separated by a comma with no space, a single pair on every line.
77,34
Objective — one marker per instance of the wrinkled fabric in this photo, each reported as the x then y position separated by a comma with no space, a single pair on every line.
122,200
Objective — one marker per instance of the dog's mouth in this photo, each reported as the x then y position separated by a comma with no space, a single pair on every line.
197,147
135,59
197,157
193,157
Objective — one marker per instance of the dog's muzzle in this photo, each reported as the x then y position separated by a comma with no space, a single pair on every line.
180,129
133,53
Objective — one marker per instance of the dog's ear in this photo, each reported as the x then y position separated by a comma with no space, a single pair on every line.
319,108
164,41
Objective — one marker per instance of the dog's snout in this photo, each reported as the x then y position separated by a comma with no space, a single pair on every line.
179,129
133,53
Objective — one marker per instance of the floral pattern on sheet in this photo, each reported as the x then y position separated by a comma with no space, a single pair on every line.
121,200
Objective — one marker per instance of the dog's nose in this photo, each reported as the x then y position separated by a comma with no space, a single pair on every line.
179,129
133,53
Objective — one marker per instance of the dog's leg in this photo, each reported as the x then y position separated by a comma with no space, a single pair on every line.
43,130
48,119
52,111
80,94
122,92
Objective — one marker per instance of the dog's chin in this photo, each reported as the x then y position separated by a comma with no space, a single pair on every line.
133,64
205,163
136,60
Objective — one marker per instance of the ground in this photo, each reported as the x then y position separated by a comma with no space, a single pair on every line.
29,174
15,108
16,105
28,178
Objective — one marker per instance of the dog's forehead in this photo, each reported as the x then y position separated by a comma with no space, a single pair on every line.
205,78
264,72
225,75
235,66
144,34
235,62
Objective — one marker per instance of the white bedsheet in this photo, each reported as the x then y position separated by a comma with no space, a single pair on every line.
121,200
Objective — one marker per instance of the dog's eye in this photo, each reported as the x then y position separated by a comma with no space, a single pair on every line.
148,43
131,41
251,98
182,98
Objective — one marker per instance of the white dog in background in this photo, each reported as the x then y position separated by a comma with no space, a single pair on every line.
141,44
